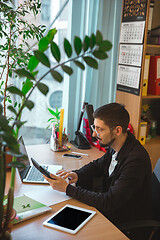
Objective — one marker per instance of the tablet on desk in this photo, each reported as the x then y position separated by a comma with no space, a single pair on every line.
69,219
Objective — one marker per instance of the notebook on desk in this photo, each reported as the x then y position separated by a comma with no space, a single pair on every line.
30,174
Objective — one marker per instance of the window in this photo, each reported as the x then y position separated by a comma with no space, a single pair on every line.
35,130
45,10
55,99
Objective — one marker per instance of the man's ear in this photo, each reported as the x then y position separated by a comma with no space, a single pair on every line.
118,130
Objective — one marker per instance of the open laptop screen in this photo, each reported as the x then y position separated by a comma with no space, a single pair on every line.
25,161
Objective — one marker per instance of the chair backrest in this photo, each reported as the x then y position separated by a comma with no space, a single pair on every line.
156,191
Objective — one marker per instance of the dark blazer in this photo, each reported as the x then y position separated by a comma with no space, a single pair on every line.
124,195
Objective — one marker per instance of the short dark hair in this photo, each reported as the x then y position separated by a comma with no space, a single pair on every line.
113,115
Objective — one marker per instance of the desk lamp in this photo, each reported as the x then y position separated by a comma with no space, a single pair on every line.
89,110
80,140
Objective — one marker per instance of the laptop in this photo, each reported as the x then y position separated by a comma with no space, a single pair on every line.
30,174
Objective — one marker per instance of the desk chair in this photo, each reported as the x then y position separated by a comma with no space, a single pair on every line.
149,226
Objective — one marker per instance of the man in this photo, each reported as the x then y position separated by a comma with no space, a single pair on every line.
119,183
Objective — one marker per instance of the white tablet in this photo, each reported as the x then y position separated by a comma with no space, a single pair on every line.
69,218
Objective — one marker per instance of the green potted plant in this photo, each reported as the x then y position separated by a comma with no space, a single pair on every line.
55,117
87,50
55,121
16,33
12,28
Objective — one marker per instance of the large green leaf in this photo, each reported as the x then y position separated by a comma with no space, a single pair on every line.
42,58
18,154
80,65
29,104
50,35
1,109
92,41
67,69
16,164
15,90
67,48
56,75
43,44
33,63
43,88
19,124
53,112
6,133
12,109
100,54
11,142
52,120
24,73
55,51
86,43
91,62
57,112
105,46
26,87
35,73
99,37
4,124
77,45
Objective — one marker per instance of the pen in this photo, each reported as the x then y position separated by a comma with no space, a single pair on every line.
61,127
80,153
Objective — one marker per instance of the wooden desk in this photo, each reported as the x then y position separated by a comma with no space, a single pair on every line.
97,228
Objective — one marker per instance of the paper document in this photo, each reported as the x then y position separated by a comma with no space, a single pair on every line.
48,196
27,208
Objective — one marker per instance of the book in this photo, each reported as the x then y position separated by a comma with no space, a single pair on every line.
150,15
27,208
154,76
146,74
155,31
142,132
154,40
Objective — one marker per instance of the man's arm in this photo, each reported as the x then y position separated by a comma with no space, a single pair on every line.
125,188
83,176
92,170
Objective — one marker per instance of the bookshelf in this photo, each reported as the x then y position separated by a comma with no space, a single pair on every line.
134,102
149,96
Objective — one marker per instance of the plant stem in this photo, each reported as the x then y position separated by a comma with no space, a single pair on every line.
60,64
9,208
13,172
3,70
2,181
7,75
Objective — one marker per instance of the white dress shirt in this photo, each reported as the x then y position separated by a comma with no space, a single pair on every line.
113,163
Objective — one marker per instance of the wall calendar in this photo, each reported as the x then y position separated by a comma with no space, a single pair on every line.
132,32
128,79
130,54
131,45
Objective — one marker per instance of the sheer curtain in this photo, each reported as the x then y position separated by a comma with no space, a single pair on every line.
97,87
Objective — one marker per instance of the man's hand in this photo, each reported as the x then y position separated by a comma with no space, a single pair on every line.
59,184
72,176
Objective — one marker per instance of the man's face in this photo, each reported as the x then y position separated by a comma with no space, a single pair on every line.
105,136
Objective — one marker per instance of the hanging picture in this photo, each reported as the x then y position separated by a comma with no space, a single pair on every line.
134,10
